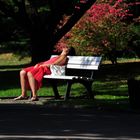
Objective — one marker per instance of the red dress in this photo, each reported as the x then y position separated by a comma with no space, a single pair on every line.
39,72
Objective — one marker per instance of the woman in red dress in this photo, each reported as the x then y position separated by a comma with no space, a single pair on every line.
31,77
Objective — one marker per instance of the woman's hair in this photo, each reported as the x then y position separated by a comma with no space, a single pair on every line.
72,51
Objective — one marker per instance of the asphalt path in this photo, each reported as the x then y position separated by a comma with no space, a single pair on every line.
22,122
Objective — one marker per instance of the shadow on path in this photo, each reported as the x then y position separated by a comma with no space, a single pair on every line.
41,122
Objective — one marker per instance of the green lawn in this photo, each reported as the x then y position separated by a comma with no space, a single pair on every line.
110,85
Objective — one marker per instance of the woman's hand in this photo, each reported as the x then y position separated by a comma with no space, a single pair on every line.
45,65
42,65
37,65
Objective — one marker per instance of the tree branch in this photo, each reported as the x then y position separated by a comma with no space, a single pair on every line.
73,19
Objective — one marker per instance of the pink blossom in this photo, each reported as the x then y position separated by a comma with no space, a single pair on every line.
120,1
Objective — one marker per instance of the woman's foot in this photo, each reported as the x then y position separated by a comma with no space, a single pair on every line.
34,98
21,98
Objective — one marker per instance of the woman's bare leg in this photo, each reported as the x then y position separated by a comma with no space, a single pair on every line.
23,86
32,83
23,83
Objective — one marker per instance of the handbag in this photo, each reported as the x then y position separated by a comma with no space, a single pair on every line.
57,70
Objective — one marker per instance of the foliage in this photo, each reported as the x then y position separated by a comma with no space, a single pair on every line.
134,42
102,29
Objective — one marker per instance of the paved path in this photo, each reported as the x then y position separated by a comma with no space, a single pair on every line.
40,122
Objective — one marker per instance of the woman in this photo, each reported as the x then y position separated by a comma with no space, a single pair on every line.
31,77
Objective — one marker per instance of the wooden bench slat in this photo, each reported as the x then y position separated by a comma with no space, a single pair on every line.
85,67
87,60
60,77
84,57
84,62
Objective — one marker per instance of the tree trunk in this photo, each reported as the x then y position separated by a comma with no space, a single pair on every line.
41,47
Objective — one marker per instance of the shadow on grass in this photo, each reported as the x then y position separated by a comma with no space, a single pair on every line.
121,71
9,79
7,67
9,76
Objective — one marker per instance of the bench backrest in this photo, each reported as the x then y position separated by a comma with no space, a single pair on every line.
82,65
84,62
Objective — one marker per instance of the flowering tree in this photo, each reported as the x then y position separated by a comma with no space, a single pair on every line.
102,29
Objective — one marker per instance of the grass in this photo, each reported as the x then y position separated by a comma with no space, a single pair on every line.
110,85
10,61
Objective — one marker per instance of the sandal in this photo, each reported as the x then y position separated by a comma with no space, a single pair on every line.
34,98
21,98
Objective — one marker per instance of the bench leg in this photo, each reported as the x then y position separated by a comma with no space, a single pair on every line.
69,84
55,90
88,86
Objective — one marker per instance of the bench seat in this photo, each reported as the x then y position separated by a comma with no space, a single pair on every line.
66,77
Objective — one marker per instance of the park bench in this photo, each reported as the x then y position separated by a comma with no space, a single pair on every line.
79,69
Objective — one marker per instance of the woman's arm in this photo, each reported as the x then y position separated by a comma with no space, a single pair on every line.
61,60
